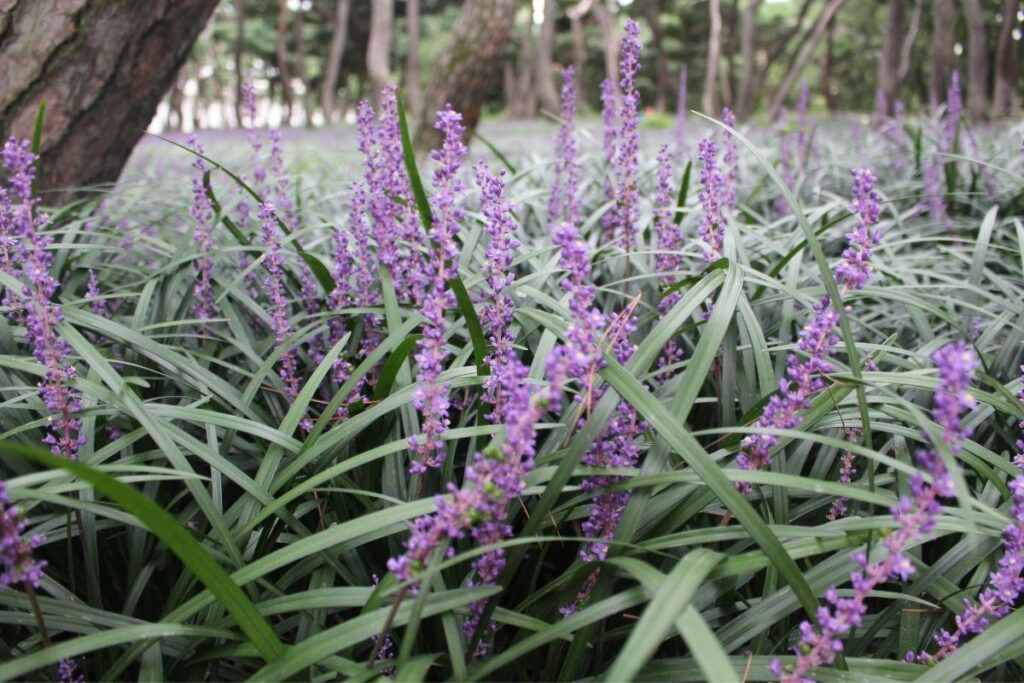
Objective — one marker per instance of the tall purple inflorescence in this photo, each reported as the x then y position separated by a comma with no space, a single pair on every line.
18,563
817,338
628,148
431,397
499,307
713,197
274,263
564,203
202,214
915,516
731,159
97,304
35,306
1005,584
670,239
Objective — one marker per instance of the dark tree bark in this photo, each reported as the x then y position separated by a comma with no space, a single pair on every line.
468,66
101,66
335,52
708,100
378,50
943,39
977,60
889,64
802,57
745,96
662,76
413,93
239,57
547,94
1005,98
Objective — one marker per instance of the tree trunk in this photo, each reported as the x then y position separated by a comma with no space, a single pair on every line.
745,96
804,56
579,49
977,61
908,42
335,53
378,48
827,62
545,81
943,38
707,101
468,66
610,38
889,64
663,78
239,57
281,55
413,93
300,66
102,67
1005,97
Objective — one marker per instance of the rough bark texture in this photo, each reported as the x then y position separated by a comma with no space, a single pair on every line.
378,49
746,94
339,36
1005,98
468,66
707,100
546,91
977,60
413,93
806,51
662,76
889,64
101,66
943,39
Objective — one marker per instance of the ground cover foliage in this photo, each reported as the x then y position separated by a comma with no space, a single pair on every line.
482,421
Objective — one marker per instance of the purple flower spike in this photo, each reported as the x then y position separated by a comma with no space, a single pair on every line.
19,566
431,397
670,238
202,213
97,304
564,203
499,308
817,339
35,307
67,672
627,157
713,197
914,515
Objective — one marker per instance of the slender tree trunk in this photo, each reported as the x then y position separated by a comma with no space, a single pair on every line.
826,69
579,48
239,57
300,66
745,97
335,53
804,56
707,101
977,60
281,53
378,49
525,101
662,76
943,38
469,65
102,66
545,81
610,38
889,64
413,92
908,42
1005,96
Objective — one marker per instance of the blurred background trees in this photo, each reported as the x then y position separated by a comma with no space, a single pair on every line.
312,60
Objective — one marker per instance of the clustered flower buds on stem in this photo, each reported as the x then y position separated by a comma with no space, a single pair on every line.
19,564
669,241
564,203
817,338
915,516
713,197
628,138
431,397
731,159
35,303
202,213
1004,585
